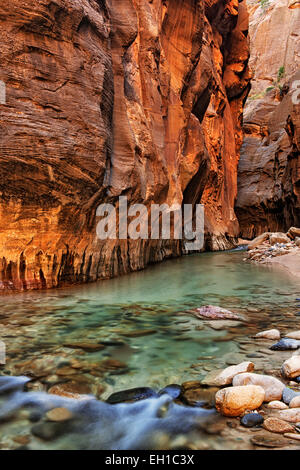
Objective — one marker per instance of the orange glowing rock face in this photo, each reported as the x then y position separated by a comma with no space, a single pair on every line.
113,97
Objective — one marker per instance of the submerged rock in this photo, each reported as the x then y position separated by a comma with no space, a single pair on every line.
75,391
215,313
47,431
268,441
59,415
252,419
234,401
131,395
173,390
200,396
273,387
89,347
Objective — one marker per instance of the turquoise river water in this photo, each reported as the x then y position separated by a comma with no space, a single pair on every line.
139,324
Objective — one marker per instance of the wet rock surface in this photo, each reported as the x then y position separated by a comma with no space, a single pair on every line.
96,370
286,255
252,419
291,368
272,386
285,345
135,394
277,425
236,400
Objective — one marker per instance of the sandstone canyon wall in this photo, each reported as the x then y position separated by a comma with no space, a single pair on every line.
269,168
142,98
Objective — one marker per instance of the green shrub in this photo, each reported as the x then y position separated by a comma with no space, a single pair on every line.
264,4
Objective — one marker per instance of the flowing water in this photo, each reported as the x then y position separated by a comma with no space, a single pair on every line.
141,336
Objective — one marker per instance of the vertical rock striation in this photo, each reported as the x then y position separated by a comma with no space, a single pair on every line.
142,98
269,168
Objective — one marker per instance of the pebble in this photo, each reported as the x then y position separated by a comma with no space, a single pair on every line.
220,325
268,441
59,414
277,425
252,419
292,436
266,351
22,440
277,405
71,390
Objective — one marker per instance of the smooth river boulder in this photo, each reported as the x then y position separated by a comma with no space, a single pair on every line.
277,405
250,420
288,395
225,377
273,387
295,402
291,367
269,334
285,344
291,415
234,401
277,425
293,335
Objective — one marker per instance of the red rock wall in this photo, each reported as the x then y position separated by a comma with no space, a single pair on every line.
269,169
108,98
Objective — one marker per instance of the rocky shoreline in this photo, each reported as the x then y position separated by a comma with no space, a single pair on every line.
248,405
277,248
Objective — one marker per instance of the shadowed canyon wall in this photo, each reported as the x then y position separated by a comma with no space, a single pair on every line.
269,168
142,98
